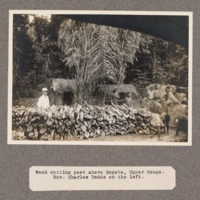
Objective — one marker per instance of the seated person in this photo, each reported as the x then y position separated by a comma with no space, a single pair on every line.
128,100
171,97
155,104
150,93
115,97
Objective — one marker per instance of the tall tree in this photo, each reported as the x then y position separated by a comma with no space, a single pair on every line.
158,61
48,56
99,53
170,62
22,55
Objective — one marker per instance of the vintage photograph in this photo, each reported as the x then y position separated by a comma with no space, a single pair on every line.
100,78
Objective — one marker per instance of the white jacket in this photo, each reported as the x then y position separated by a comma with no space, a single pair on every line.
43,102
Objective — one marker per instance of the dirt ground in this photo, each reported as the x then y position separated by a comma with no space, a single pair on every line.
170,137
165,137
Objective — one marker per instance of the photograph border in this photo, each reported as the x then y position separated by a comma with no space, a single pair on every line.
99,12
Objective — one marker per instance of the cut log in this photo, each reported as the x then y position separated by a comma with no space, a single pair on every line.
31,134
49,122
81,121
43,130
57,137
29,129
35,132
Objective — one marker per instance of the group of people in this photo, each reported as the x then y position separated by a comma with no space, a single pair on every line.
128,98
159,105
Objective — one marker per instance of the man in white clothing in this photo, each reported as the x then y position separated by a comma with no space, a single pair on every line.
43,101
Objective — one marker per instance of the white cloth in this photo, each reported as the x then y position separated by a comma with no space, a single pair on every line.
156,120
43,102
171,98
151,94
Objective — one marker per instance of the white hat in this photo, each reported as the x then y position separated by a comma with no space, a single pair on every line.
45,90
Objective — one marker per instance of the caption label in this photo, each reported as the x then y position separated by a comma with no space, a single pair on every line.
101,178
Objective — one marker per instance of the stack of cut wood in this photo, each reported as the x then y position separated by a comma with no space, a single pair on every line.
86,121
56,124
94,121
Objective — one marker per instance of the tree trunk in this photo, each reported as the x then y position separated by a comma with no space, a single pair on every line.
79,92
155,62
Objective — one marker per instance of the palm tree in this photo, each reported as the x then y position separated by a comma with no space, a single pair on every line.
99,53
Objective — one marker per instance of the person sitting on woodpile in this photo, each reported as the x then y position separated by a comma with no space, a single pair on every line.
156,89
155,104
115,97
150,98
43,102
157,98
128,100
171,97
150,92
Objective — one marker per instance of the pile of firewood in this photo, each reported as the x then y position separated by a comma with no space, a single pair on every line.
56,124
94,121
86,121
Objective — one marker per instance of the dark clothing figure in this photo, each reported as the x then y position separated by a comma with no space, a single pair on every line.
128,100
166,121
115,97
166,103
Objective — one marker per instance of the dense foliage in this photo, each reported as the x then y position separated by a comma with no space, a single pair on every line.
23,55
92,54
98,53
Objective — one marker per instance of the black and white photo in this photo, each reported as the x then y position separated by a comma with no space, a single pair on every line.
100,78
